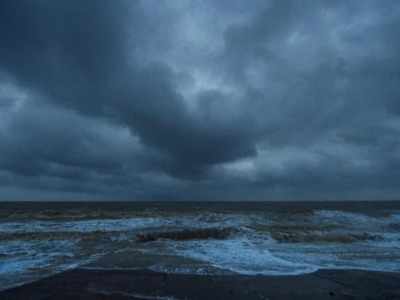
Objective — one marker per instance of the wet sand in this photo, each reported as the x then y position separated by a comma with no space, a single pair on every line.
144,284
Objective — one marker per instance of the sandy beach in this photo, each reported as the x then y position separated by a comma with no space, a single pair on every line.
143,284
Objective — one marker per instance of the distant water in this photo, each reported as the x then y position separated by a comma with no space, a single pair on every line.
40,239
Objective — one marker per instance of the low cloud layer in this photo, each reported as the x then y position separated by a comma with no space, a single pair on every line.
199,100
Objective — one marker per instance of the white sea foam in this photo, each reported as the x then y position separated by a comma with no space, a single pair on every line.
240,255
251,256
353,219
343,218
23,261
81,226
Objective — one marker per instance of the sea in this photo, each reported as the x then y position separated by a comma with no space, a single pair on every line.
38,239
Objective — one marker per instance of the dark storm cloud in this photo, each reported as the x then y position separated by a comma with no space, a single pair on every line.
76,55
198,99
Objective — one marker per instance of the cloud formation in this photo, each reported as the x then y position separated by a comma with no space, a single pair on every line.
199,100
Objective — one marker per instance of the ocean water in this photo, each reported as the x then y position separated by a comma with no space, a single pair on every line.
40,239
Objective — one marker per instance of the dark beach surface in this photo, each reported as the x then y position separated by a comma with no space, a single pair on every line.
144,284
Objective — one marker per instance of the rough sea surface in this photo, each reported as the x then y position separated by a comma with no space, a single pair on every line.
40,239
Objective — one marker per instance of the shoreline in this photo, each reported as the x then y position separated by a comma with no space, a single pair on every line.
143,284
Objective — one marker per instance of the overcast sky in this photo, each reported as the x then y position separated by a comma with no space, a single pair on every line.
199,100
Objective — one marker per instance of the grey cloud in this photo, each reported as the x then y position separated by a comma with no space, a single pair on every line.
135,96
76,59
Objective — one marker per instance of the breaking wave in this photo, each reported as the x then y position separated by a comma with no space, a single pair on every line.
262,242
